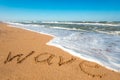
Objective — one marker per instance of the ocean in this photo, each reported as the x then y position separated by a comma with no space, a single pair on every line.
93,41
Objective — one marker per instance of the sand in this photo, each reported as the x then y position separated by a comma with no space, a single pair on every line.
24,55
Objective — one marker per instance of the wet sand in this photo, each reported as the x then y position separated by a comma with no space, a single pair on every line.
24,55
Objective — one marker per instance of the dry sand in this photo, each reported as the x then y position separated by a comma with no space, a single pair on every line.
24,55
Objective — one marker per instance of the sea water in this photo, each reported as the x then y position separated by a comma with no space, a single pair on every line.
96,42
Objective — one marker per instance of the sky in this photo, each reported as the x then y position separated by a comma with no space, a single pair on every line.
60,10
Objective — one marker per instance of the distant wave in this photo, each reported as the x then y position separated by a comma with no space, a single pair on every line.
83,23
107,28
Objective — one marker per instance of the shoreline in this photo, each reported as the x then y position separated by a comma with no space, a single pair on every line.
20,40
62,48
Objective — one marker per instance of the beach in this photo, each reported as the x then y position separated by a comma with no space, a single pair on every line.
24,55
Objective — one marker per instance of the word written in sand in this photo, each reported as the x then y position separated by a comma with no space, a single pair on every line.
48,57
38,59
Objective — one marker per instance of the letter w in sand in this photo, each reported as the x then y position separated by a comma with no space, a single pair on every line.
19,57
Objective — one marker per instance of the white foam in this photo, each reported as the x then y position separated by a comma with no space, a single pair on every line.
80,56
